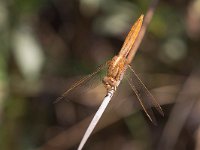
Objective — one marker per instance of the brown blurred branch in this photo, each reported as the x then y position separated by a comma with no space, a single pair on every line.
117,110
181,111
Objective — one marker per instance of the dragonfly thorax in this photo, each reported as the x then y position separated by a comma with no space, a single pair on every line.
116,69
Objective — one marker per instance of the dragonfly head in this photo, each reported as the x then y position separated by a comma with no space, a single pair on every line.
109,83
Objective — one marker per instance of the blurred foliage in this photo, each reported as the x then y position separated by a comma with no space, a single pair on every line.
47,44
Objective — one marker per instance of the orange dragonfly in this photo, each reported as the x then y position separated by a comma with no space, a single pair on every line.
116,68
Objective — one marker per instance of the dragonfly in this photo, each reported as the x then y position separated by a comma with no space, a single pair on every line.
116,71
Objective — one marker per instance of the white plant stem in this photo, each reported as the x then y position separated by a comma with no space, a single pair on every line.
96,118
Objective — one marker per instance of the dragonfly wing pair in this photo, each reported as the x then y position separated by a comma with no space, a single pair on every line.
83,85
145,98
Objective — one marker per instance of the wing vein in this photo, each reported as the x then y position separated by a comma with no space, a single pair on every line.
155,103
138,96
80,82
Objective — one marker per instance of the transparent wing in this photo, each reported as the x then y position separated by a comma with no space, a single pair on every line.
145,98
83,84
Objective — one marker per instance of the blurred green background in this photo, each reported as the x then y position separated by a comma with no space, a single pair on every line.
45,45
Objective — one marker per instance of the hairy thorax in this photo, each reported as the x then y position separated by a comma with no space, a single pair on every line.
116,69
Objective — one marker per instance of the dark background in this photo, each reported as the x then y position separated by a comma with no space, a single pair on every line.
46,45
